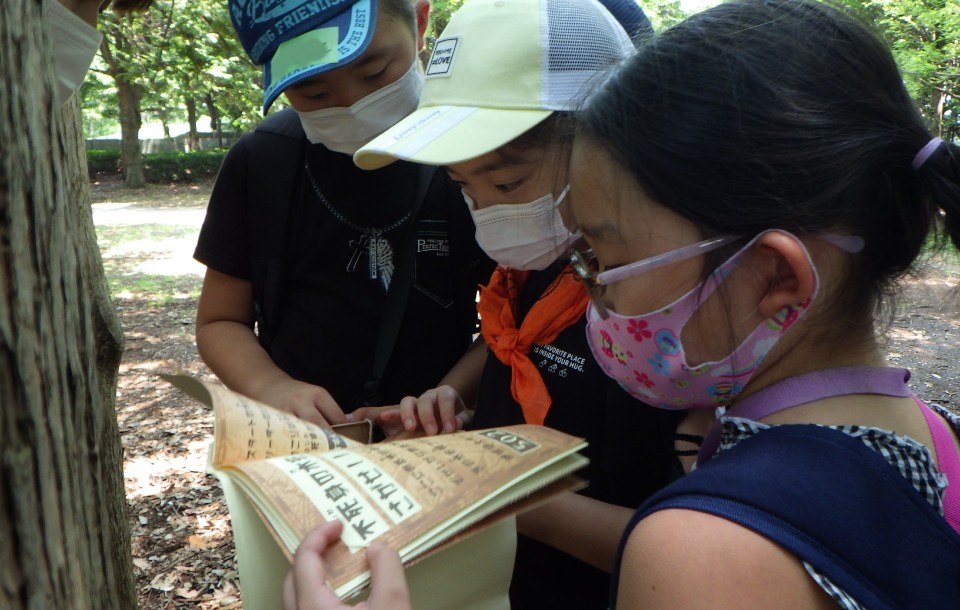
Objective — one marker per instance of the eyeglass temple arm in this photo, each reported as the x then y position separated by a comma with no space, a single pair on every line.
619,273
848,243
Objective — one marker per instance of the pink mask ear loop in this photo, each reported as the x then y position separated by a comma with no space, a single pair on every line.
925,153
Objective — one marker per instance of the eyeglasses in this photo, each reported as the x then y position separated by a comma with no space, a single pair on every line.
583,264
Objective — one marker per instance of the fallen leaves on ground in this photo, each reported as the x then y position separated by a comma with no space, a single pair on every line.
182,544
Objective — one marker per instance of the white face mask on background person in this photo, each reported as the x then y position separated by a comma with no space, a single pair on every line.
75,43
346,130
527,236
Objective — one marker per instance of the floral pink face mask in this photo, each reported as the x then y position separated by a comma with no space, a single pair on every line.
645,356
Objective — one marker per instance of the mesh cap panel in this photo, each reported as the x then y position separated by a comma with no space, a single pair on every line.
583,42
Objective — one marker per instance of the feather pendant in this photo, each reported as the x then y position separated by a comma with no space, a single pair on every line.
380,254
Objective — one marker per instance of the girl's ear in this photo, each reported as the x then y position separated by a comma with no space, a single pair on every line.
794,281
422,9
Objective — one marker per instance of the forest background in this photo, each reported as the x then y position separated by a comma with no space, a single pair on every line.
181,63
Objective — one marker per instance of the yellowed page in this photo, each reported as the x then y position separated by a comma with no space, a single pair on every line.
472,574
247,430
411,494
400,491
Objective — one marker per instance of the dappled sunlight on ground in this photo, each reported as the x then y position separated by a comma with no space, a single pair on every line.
924,335
148,475
180,531
181,540
172,266
112,192
148,241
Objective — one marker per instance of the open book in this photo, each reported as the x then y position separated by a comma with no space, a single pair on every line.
448,500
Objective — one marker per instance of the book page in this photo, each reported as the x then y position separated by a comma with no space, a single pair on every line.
486,557
247,430
399,491
469,572
414,495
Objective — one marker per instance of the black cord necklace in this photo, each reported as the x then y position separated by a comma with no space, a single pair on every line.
379,252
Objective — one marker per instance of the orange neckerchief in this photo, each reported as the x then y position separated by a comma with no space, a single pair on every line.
561,304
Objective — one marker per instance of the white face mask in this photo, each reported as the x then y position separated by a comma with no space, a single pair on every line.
75,43
346,130
526,236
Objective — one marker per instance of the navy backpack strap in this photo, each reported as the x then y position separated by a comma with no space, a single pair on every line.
276,157
834,503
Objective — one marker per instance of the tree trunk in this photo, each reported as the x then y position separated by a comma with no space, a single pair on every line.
216,125
942,98
64,541
128,97
193,142
164,121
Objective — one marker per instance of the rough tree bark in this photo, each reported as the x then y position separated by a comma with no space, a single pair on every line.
64,541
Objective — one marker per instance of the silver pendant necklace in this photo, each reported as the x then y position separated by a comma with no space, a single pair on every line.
370,241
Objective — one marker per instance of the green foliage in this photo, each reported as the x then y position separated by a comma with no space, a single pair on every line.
184,58
440,12
98,100
103,162
925,38
663,13
182,167
161,167
183,54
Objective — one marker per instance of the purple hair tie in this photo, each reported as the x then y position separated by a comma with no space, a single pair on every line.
925,153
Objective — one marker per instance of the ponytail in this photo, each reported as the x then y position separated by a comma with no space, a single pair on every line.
938,174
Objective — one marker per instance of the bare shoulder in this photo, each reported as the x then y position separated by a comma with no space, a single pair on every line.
687,559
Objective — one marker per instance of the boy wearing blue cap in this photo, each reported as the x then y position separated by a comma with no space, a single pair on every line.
323,280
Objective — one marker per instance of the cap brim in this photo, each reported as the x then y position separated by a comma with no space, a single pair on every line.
333,44
442,135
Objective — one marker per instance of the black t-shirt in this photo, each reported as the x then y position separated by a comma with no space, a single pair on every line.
329,306
630,450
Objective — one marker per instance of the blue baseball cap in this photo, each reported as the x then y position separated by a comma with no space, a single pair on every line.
296,39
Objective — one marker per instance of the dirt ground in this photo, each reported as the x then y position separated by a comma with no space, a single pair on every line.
180,529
